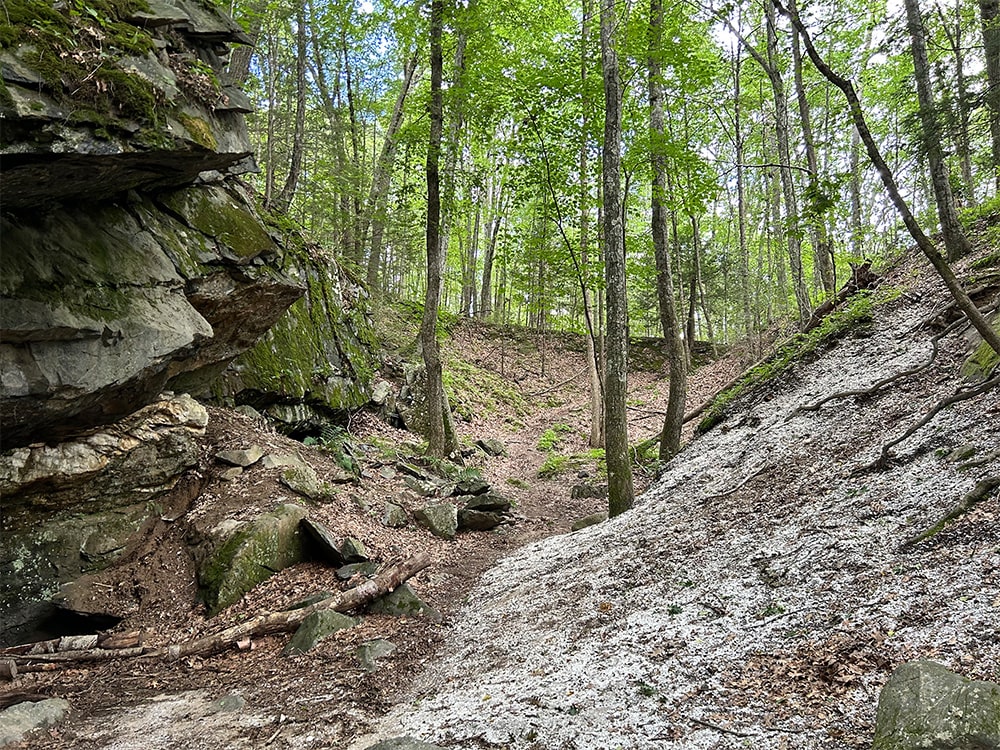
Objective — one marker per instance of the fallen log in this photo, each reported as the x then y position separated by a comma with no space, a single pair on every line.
268,623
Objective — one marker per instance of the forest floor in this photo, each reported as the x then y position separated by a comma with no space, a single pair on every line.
757,596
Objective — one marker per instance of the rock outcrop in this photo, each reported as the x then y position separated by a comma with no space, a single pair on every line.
77,506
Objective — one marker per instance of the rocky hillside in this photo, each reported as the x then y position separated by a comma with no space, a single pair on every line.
770,580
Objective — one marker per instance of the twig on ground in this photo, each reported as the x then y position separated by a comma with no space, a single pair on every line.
739,486
557,385
717,728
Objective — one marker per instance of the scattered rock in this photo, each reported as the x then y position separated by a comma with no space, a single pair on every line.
381,393
353,551
587,490
315,628
478,520
369,653
404,602
251,553
492,447
471,486
280,460
233,472
248,411
925,705
490,502
423,487
394,516
304,480
413,471
441,520
387,472
366,569
592,520
403,743
21,718
328,544
246,457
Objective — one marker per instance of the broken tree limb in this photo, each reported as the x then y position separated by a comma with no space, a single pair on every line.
982,491
862,277
282,622
266,624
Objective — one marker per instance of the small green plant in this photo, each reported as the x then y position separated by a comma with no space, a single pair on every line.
519,483
551,438
770,610
554,465
674,609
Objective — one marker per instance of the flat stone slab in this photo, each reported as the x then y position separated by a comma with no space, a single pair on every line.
441,520
404,602
246,457
315,628
403,743
369,653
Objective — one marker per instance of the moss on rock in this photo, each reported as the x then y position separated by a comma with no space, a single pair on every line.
252,554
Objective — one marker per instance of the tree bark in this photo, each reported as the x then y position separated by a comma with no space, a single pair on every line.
955,241
621,494
670,436
378,194
962,301
989,15
438,412
283,200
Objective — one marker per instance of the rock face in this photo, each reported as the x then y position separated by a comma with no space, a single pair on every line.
123,272
925,705
73,507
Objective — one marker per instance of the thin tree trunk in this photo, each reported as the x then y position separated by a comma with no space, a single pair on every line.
989,15
741,201
962,141
955,241
378,194
822,246
283,200
621,494
962,301
357,241
670,436
486,290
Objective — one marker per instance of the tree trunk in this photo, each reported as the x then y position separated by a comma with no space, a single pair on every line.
670,437
989,14
822,246
962,301
961,129
486,290
378,194
438,443
741,201
357,241
955,241
621,494
283,200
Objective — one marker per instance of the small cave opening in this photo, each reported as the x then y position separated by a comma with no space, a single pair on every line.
53,622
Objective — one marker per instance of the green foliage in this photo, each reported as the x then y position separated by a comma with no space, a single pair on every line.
474,391
552,437
855,312
554,465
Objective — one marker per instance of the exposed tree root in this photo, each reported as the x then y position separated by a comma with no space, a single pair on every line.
982,491
962,394
740,485
882,384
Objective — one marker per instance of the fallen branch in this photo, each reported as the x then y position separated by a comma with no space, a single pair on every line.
557,385
717,728
739,486
862,277
962,394
265,624
982,491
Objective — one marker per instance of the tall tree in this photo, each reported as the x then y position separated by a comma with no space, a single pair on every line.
670,438
989,14
440,432
621,494
955,241
283,199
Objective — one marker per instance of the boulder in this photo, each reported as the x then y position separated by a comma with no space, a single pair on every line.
72,508
249,554
303,479
585,490
315,628
925,705
364,569
471,485
477,520
394,516
323,539
403,743
244,457
353,550
441,520
17,720
404,602
369,653
491,447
